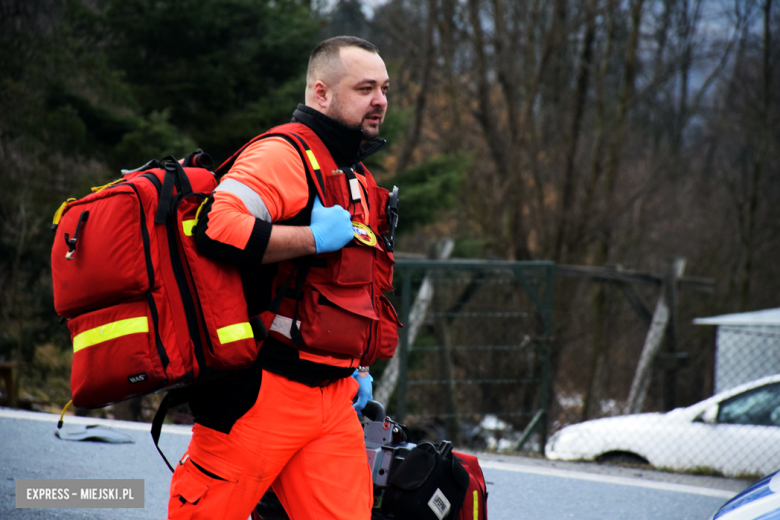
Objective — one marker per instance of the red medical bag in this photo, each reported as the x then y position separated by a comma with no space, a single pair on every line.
475,503
145,311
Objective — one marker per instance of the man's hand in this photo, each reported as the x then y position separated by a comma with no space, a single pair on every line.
365,391
331,227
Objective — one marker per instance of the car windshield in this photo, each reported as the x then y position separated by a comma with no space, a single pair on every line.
760,406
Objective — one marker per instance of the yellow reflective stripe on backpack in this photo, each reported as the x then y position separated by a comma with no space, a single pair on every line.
476,505
197,213
109,331
313,160
188,225
235,332
96,189
60,211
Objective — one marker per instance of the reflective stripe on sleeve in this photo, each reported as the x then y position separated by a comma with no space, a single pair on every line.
109,331
251,199
235,332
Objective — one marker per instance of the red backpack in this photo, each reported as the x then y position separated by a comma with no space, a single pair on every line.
475,503
144,310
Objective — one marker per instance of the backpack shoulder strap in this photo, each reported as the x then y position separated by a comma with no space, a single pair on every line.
310,163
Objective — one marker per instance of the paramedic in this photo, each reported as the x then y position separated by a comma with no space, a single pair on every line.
289,421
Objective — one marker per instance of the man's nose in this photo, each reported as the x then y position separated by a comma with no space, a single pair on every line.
379,99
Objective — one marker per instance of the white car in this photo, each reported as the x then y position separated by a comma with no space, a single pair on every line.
736,432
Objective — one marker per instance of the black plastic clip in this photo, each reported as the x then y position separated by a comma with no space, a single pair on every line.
72,241
353,185
258,328
392,218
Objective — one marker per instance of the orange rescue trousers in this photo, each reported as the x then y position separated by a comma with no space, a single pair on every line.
305,442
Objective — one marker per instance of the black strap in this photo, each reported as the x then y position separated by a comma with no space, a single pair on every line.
183,184
258,328
317,172
154,180
166,196
277,301
301,267
303,271
71,242
170,400
174,176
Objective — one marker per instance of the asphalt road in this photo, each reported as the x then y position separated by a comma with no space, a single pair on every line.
519,488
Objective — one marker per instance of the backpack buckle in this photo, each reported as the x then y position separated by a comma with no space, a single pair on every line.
71,242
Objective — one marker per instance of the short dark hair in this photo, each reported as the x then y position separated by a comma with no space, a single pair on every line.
327,51
333,45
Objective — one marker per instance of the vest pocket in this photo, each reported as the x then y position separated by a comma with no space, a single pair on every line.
387,330
337,319
352,265
379,198
334,190
384,270
114,355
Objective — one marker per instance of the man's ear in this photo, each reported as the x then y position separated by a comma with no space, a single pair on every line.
322,94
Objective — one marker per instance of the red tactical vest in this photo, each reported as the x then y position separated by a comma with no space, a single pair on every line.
332,302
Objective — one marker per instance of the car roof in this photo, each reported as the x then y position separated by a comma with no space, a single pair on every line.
722,396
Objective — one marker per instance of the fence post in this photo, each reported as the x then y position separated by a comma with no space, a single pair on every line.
546,382
653,341
670,372
412,323
442,331
406,289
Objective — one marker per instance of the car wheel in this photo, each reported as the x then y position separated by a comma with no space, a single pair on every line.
624,458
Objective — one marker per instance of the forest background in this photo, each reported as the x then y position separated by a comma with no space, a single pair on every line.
587,132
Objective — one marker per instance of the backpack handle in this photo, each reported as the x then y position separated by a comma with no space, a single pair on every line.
198,159
71,242
174,176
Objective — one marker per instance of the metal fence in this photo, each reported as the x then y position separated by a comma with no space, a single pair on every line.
480,362
745,353
474,355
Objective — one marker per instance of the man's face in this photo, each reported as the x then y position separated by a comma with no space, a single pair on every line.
359,99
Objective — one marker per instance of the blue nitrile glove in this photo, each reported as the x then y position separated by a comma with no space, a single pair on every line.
332,227
365,391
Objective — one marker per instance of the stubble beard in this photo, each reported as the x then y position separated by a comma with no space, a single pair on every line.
369,131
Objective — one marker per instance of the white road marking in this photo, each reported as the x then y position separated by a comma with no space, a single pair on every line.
607,479
500,466
8,413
